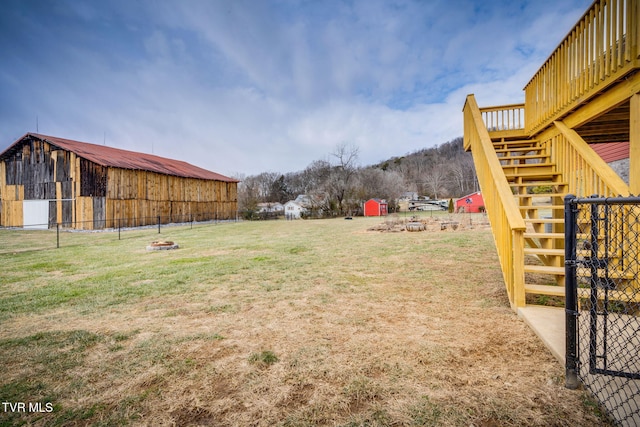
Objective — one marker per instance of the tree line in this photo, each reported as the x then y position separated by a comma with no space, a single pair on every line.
339,186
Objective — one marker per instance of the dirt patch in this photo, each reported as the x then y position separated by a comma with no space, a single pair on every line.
449,223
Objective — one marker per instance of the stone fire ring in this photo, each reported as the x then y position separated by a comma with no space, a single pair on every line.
161,245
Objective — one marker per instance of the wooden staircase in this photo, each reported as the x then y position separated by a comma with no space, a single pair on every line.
524,178
539,191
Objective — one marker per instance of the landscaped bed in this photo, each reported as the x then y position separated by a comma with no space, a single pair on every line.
292,323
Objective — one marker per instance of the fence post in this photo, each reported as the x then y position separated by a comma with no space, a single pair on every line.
57,235
571,293
119,227
158,224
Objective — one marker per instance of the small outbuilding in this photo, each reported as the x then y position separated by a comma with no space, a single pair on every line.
471,203
375,207
294,210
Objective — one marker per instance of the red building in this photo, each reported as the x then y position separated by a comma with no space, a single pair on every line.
375,207
470,203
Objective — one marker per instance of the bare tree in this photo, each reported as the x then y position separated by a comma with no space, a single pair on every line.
436,179
463,174
342,173
375,183
339,184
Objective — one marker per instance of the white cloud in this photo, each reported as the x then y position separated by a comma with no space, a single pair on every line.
252,86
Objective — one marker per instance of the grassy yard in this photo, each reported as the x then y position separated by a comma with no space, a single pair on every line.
286,323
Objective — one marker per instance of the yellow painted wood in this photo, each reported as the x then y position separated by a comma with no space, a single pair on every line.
614,295
600,50
545,290
587,173
544,269
544,251
506,221
634,144
544,235
618,94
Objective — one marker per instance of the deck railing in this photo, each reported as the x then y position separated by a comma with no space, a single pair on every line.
506,221
582,169
503,118
598,51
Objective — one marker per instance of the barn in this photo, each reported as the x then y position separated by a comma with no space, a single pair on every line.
46,180
471,203
375,207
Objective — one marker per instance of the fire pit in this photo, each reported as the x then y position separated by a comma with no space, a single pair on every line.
162,245
416,226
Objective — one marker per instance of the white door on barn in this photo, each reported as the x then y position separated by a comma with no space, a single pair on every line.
35,214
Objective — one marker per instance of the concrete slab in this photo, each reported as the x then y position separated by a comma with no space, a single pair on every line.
549,325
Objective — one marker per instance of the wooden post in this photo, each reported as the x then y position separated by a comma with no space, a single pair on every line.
634,144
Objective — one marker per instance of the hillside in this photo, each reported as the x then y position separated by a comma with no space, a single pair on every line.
340,186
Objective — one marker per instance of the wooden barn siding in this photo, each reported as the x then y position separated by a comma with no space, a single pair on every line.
85,195
136,198
93,179
36,170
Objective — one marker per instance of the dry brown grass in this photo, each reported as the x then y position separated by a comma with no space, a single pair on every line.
299,323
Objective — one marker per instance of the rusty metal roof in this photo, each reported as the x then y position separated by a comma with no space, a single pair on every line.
117,158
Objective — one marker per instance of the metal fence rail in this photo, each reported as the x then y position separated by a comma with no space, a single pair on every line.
602,252
48,236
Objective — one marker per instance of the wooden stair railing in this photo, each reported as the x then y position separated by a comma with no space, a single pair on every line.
539,191
502,210
524,182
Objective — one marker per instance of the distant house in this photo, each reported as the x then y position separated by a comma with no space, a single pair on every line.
293,210
471,203
269,207
375,207
409,195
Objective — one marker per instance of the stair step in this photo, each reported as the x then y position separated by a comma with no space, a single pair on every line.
544,269
612,274
528,168
539,195
529,165
544,251
557,291
517,143
544,235
542,183
612,295
522,150
516,163
529,176
532,207
544,220
509,156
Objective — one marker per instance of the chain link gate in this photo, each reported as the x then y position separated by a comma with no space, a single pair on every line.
602,262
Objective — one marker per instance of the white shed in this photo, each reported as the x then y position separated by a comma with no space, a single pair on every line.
293,210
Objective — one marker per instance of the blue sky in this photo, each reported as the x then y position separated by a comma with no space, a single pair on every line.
250,86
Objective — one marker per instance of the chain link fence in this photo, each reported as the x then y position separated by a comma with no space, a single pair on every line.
602,255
